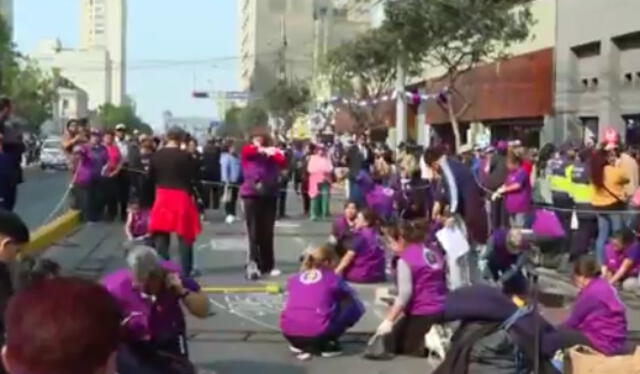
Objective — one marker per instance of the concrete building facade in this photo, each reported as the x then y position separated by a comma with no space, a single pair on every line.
88,69
276,39
103,26
597,69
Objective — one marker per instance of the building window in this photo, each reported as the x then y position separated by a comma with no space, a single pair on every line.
587,50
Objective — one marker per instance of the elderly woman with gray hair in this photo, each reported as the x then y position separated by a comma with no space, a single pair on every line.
150,293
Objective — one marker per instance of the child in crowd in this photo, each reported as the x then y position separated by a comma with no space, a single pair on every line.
137,226
622,261
320,307
422,290
364,258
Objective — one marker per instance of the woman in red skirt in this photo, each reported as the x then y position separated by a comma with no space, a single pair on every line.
174,211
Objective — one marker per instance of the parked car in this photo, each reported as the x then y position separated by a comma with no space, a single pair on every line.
52,156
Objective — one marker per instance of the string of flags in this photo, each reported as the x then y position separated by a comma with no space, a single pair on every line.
414,97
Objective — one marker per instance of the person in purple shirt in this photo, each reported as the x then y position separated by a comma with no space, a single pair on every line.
151,294
343,226
379,198
598,317
422,290
504,256
320,307
364,258
516,191
622,261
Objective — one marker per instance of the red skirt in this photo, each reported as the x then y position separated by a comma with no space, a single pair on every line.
175,211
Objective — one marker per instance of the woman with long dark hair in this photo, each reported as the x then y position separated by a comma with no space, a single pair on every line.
174,210
261,163
608,196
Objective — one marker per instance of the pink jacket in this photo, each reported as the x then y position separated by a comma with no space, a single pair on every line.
320,169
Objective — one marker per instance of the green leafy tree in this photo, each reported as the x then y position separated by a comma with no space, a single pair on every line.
456,36
285,101
33,93
365,68
239,121
231,126
110,116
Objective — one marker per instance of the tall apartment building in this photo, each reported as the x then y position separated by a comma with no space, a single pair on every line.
276,37
103,26
6,10
597,65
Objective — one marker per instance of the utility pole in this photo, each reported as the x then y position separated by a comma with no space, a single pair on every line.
283,50
401,103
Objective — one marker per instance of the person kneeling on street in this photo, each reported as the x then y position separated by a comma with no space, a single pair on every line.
422,290
622,261
320,307
150,294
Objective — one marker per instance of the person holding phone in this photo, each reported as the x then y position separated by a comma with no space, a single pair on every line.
151,293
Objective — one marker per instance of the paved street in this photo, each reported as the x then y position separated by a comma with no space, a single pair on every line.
243,336
40,194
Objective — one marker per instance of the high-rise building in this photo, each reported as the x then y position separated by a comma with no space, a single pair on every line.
276,40
104,26
6,10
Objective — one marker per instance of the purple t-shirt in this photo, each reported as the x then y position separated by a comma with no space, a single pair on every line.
149,318
518,201
614,259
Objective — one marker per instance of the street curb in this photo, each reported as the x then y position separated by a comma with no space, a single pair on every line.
50,233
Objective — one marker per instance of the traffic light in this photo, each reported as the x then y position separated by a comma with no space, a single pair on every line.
200,94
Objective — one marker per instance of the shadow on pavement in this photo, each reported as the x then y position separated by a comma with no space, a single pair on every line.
243,367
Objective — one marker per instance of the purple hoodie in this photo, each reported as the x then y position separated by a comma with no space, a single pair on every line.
600,315
260,177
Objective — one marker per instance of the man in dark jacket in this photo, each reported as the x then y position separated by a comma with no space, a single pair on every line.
13,148
13,233
359,157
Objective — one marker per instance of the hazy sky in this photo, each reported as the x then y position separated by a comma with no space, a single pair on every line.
199,35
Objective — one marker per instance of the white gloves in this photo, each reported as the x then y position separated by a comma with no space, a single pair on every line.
385,328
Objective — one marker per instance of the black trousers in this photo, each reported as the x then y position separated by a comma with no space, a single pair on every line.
123,190
407,337
230,205
81,201
95,200
111,197
162,243
211,194
582,238
306,202
260,215
9,196
282,199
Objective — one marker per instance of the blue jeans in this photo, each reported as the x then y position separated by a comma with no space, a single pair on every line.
607,224
355,193
349,313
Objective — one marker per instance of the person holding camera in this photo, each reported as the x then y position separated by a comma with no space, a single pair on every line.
151,294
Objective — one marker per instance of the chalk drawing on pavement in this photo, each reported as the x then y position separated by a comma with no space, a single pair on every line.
239,244
263,310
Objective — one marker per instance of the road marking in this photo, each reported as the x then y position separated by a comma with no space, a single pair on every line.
287,225
239,244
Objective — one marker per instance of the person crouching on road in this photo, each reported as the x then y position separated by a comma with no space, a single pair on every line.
504,258
364,258
598,317
320,307
622,261
151,294
343,227
260,165
422,290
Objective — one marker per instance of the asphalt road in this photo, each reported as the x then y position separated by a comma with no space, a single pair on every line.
40,194
243,336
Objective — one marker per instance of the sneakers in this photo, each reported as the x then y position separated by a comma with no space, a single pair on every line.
275,273
295,350
332,349
253,273
230,219
304,356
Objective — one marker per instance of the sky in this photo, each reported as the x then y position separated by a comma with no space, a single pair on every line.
196,33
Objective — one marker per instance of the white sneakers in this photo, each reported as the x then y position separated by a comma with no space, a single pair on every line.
275,273
230,219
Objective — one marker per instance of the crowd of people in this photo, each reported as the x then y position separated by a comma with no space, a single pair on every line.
454,233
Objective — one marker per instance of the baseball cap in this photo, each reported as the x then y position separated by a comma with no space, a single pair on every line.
121,127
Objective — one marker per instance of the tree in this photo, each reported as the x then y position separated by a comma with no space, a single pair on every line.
457,35
33,93
238,122
285,101
110,115
365,68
